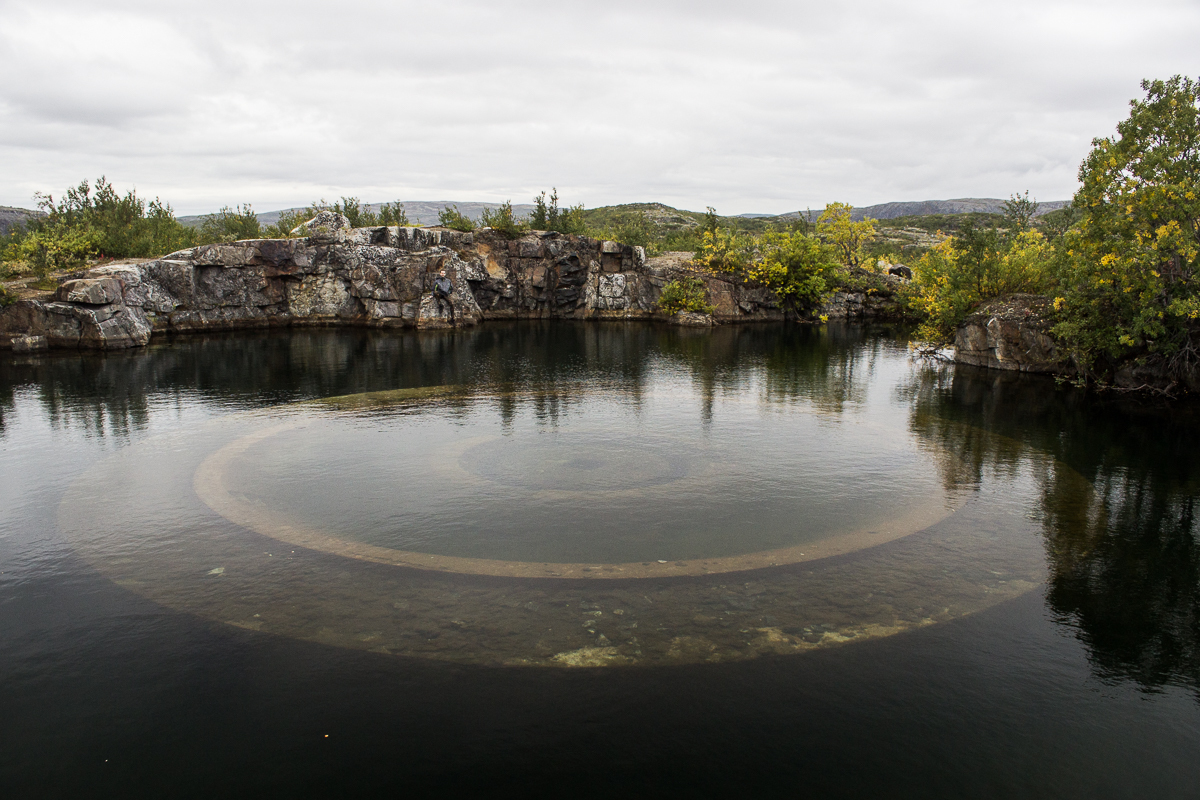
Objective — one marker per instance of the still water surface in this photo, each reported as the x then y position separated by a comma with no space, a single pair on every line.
577,557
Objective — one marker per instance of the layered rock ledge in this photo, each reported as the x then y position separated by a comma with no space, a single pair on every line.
380,277
1011,333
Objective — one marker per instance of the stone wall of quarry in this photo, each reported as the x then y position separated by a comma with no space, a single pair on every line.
1011,333
379,277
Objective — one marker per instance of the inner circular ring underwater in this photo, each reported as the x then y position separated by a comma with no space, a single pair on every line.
212,485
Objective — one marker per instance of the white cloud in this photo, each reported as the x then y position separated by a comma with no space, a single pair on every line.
760,106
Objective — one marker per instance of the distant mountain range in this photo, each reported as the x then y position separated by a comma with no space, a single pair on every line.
425,212
10,216
963,205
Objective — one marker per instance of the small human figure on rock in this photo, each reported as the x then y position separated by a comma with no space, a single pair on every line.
442,289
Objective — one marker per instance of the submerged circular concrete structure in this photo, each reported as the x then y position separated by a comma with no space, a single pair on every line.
425,523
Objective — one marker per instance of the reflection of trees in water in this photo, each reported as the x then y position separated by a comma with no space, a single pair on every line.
1127,573
8,402
114,392
827,366
539,363
1117,507
67,386
547,365
552,364
963,452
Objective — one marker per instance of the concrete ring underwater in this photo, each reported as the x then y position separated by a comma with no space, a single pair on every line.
213,554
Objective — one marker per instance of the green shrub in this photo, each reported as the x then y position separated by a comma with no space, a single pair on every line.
848,238
1018,213
549,217
117,226
686,240
635,230
632,227
725,250
799,269
660,228
288,221
360,216
230,225
1128,272
684,294
958,275
52,248
451,217
394,214
503,221
1053,224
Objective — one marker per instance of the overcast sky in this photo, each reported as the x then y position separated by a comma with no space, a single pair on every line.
752,106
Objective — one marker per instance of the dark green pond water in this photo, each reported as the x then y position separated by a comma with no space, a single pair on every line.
589,558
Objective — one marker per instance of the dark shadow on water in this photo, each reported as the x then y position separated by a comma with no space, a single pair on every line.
1124,554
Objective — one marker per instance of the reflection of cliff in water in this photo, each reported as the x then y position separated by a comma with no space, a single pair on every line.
112,392
546,364
1124,552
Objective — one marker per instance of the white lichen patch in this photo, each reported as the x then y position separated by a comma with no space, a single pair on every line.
592,657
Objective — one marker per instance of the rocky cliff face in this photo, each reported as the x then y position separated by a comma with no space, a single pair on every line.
860,306
363,276
1012,333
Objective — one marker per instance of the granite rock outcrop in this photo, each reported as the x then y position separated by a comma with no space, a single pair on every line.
1014,333
1011,333
379,277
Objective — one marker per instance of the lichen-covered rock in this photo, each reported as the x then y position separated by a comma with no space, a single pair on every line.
321,296
692,319
871,294
327,227
27,344
126,327
843,305
98,291
1010,333
64,324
